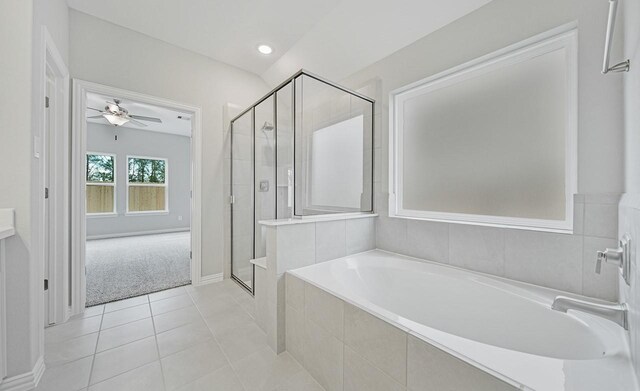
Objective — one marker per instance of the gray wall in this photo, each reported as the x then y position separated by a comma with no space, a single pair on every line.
23,21
153,67
15,175
554,260
629,210
133,142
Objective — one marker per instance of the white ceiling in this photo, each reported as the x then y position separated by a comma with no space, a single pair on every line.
333,38
357,33
225,30
170,121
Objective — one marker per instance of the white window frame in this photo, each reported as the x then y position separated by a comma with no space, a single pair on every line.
565,37
165,185
114,184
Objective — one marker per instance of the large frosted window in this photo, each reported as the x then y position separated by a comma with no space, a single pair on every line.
491,142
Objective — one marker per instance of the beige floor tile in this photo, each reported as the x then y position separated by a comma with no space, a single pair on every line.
66,351
127,315
264,370
248,304
170,304
167,293
124,358
182,337
223,379
207,292
191,364
177,318
225,322
72,376
301,381
126,303
124,334
242,341
145,378
72,329
217,305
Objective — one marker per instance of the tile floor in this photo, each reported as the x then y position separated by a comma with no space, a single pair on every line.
187,338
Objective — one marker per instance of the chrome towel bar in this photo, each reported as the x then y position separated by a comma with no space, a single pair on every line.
621,66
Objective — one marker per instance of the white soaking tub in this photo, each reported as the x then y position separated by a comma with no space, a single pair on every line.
502,327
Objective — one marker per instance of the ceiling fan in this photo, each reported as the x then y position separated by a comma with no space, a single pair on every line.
118,115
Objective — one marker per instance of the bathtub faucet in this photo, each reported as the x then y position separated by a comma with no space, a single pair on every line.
614,312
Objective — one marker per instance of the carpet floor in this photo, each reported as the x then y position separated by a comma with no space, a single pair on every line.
120,268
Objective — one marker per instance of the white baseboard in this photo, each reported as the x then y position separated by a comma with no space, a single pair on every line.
139,233
25,381
208,280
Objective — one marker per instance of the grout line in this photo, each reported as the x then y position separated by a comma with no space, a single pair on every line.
93,360
130,342
127,371
581,263
155,336
99,332
406,366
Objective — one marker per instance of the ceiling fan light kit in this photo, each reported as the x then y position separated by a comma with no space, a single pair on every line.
117,115
116,120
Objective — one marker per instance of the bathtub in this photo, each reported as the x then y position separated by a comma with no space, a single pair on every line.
504,328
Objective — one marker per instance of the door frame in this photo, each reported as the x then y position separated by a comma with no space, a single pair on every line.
52,150
78,156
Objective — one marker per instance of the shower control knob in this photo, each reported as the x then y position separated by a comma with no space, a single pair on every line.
609,255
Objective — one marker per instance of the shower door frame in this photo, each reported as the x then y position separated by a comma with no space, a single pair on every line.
250,289
251,108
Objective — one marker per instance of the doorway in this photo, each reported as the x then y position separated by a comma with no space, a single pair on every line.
135,181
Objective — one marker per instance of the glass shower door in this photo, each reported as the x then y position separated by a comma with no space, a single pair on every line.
265,171
242,208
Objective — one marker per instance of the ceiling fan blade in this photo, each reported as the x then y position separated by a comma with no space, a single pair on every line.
143,118
133,121
91,108
95,116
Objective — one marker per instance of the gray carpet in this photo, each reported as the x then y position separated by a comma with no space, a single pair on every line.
132,266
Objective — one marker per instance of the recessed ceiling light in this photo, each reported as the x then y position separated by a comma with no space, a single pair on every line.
265,49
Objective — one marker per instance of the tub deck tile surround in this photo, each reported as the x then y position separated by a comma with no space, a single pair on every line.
325,310
377,342
554,260
405,352
361,375
429,368
323,356
295,243
372,354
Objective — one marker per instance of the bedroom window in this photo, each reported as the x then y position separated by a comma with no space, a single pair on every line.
490,142
100,183
147,185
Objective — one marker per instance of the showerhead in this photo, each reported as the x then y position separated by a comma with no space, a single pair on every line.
267,127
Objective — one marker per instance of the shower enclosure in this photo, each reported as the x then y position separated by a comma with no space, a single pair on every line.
305,149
